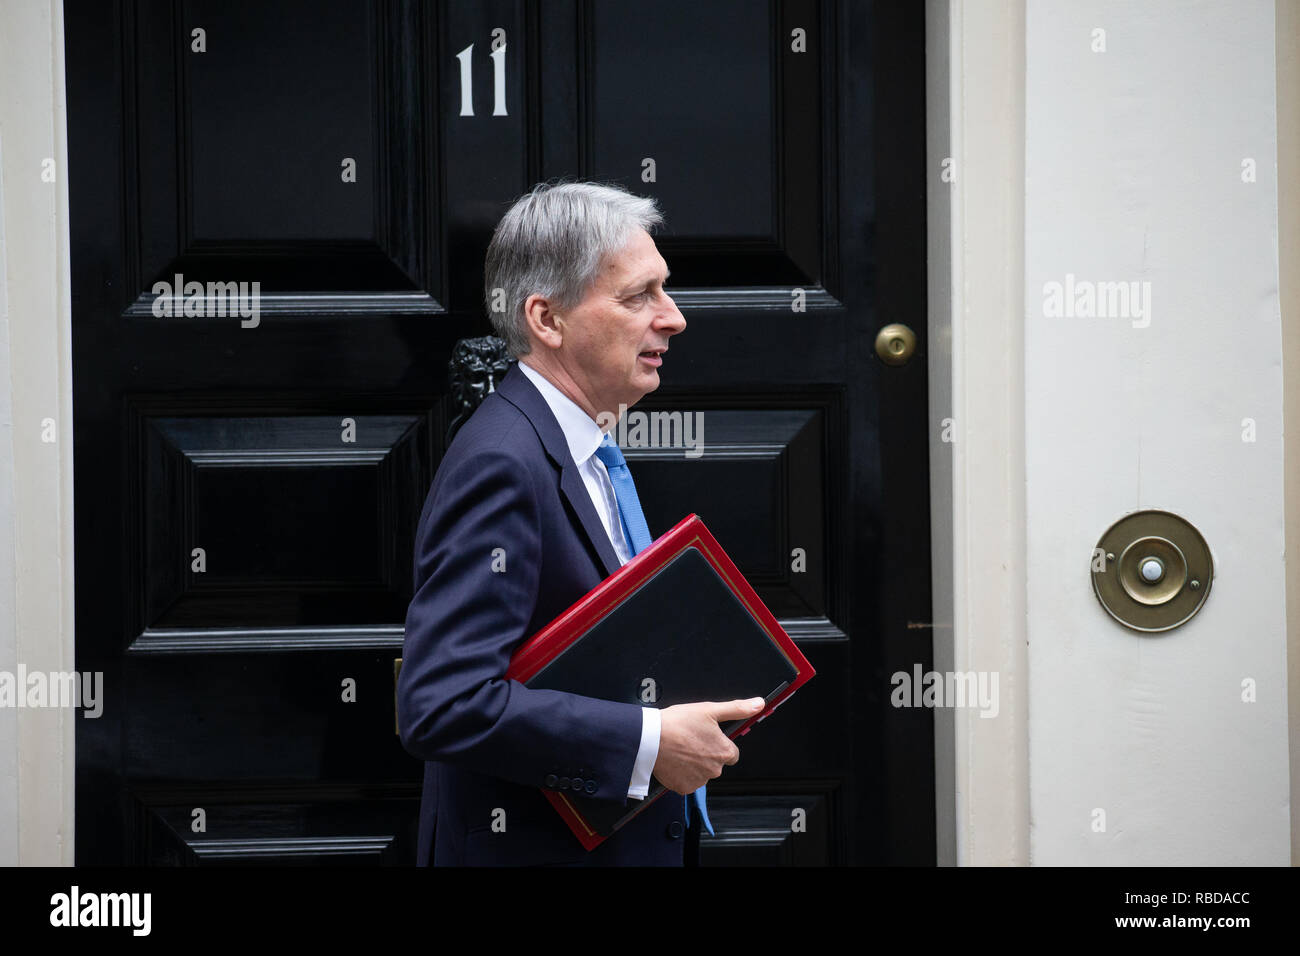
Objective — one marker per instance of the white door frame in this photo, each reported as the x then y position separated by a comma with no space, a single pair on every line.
975,96
37,757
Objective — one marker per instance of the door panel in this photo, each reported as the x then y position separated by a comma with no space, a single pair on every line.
251,460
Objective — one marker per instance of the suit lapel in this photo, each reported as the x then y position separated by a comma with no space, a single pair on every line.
521,393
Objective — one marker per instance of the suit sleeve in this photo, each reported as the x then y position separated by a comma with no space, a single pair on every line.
478,557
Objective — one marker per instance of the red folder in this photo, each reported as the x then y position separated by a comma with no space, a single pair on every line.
686,582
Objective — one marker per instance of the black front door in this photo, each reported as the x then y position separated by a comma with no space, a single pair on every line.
279,214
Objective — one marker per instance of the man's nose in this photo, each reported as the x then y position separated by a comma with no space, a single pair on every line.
673,321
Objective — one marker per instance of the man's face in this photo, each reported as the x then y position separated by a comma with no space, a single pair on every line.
614,340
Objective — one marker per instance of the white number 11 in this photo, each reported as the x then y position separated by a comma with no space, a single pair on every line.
498,57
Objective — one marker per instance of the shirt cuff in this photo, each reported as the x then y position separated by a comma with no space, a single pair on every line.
646,755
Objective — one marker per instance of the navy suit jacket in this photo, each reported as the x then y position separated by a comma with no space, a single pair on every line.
507,540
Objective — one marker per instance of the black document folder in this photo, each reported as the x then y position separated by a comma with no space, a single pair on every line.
677,624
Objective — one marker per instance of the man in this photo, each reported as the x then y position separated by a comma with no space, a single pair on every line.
521,521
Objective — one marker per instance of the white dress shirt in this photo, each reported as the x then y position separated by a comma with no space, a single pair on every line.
584,436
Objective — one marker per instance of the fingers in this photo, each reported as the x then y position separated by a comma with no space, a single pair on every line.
693,749
733,757
735,709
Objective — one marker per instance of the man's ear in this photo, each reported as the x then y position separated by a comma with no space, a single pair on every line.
545,325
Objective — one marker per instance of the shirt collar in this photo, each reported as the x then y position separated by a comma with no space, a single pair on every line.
581,432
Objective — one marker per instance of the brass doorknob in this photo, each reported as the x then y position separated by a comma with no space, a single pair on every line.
895,344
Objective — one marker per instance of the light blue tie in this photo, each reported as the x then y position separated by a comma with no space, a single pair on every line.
638,536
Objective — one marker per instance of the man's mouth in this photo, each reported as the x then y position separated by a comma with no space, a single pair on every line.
653,357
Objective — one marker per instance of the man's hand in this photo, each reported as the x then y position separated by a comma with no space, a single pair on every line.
692,747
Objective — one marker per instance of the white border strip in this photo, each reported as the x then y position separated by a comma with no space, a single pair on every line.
1288,238
981,314
38,377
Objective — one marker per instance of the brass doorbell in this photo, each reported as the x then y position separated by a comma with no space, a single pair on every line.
1152,571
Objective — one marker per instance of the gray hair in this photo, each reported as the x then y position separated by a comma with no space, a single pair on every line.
552,242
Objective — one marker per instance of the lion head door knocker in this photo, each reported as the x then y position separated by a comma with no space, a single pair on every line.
476,368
